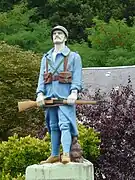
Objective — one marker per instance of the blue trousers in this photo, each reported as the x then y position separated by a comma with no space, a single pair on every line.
60,128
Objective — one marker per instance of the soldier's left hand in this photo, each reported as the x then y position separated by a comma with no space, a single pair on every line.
72,97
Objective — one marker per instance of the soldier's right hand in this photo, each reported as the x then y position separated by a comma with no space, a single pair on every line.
40,100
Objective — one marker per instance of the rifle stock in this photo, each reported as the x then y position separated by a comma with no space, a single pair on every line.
22,106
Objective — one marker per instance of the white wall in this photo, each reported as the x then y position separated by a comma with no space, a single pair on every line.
107,78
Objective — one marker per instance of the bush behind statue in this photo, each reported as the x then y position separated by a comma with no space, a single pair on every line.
18,77
114,118
18,153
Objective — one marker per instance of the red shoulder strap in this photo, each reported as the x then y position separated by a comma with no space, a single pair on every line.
66,62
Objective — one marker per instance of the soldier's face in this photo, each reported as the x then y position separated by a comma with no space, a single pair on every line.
59,37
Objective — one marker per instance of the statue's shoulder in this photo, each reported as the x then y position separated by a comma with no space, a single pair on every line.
47,55
74,53
43,57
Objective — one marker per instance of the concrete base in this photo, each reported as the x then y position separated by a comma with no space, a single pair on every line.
59,171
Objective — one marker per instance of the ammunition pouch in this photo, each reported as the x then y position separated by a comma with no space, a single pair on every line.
65,77
47,77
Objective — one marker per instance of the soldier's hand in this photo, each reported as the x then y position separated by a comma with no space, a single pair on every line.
40,100
72,97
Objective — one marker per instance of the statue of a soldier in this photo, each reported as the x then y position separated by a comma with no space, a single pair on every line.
60,77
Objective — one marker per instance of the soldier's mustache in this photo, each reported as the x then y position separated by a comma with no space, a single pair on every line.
57,37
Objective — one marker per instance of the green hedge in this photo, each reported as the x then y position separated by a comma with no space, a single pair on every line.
18,153
18,81
89,141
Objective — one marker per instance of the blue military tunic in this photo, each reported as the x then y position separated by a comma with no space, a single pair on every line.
60,90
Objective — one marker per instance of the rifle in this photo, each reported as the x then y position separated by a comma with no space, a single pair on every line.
22,106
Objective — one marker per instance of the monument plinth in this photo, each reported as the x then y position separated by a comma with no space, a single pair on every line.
59,171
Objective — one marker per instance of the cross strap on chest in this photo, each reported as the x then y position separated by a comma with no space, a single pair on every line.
62,77
55,69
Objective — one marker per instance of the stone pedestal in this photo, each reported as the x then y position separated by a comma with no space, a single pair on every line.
59,171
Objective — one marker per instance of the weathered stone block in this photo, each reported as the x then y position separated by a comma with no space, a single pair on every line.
59,171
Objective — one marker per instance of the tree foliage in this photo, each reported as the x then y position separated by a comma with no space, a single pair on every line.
76,15
113,42
17,28
106,36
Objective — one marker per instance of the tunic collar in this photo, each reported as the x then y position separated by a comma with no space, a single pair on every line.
64,52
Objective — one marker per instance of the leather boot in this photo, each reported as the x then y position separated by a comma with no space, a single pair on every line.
51,159
65,158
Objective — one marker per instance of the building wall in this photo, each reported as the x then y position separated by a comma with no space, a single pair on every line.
106,78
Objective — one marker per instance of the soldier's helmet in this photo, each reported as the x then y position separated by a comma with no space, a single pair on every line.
61,28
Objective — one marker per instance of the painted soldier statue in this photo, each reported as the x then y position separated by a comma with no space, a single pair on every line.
60,77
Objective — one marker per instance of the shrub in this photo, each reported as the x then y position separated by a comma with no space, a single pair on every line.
18,153
9,177
18,79
90,142
114,118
